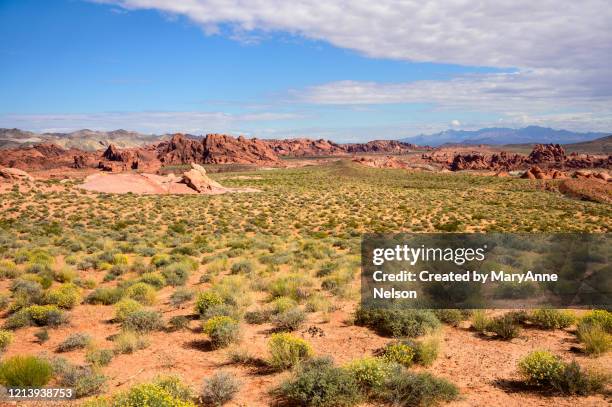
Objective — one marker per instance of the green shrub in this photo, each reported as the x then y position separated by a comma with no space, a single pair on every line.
207,299
289,286
18,320
74,341
141,292
219,389
42,335
318,383
452,317
181,296
65,275
543,369
8,269
407,352
426,351
47,315
396,321
64,296
595,339
226,310
84,380
99,357
287,350
407,389
129,342
125,307
105,295
573,380
504,326
222,331
289,320
282,304
174,386
160,260
242,267
552,318
119,259
25,371
153,279
178,323
6,338
257,317
176,274
539,368
149,394
369,372
602,318
399,352
143,321
480,321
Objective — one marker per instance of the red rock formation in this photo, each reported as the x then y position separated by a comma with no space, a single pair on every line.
180,150
224,149
382,147
543,155
382,162
546,153
216,149
304,147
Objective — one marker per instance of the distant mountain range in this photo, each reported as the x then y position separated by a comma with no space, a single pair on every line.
87,140
91,140
502,135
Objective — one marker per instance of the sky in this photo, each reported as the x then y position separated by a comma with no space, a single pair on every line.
343,70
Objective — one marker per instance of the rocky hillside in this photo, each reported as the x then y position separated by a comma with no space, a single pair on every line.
304,147
86,140
547,155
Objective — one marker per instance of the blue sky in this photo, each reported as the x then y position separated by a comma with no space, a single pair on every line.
276,71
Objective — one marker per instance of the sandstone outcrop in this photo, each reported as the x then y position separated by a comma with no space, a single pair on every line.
304,147
547,156
197,180
15,174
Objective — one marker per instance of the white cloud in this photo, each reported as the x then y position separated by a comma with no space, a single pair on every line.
455,123
518,33
561,49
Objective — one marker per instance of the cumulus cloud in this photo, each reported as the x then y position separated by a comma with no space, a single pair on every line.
560,50
518,33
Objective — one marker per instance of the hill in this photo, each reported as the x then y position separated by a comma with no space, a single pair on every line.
502,135
86,140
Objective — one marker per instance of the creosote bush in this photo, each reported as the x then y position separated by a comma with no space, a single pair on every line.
207,299
143,321
289,320
125,307
317,382
219,388
222,331
543,369
74,341
407,389
129,342
370,372
396,321
287,351
141,292
6,337
552,318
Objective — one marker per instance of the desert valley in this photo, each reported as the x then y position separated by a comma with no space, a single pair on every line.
234,262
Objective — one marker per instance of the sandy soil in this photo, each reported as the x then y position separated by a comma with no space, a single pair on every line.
484,369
